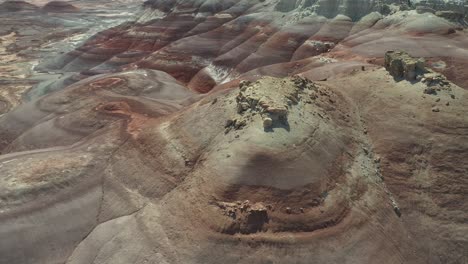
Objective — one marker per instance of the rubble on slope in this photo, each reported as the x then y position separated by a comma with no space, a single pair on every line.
435,82
272,105
246,217
402,66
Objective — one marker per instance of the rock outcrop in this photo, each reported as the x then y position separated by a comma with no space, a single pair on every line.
273,106
402,66
247,218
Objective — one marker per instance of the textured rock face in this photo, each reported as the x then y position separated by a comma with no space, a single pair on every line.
230,132
272,106
247,218
401,65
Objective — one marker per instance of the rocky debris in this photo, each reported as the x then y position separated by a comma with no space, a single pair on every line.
435,79
430,90
320,46
435,82
246,217
402,66
272,106
236,124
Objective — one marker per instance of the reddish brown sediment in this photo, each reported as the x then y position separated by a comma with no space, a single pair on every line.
239,132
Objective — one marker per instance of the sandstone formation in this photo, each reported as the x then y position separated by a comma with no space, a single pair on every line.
244,131
401,65
272,106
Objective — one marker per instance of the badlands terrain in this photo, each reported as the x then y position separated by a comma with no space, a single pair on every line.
233,131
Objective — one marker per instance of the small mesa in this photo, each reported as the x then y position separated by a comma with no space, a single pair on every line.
403,66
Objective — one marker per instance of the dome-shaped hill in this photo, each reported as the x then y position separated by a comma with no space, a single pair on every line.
59,7
16,6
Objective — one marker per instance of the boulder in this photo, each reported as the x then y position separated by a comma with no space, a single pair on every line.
402,66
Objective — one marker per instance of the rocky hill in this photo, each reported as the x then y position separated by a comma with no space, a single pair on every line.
245,132
207,43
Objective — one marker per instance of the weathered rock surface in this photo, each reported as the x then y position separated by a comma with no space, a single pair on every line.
402,66
272,105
